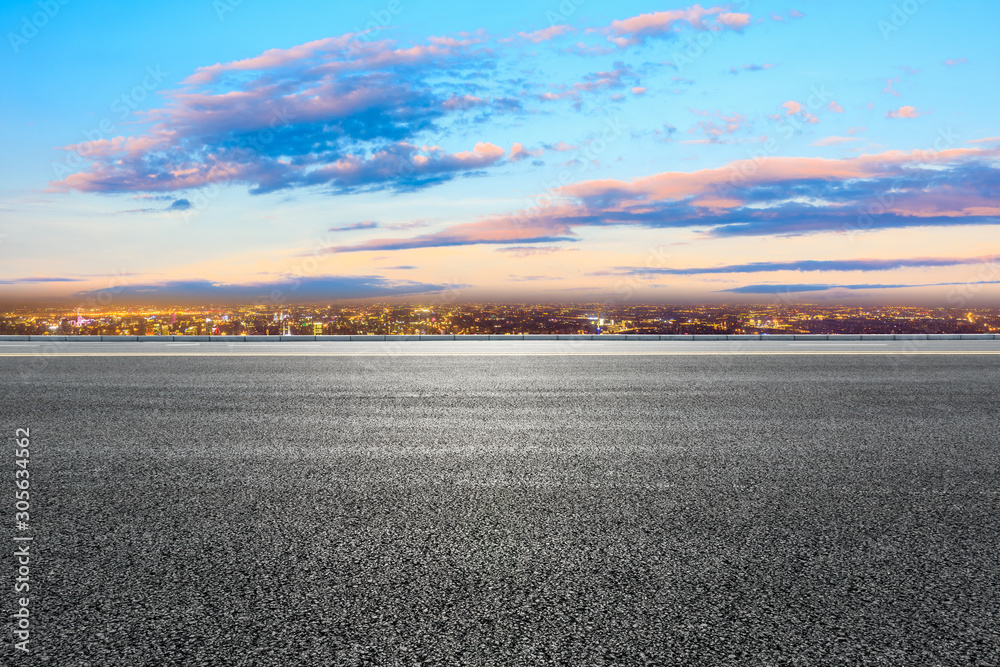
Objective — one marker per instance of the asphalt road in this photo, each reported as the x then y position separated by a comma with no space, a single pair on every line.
511,509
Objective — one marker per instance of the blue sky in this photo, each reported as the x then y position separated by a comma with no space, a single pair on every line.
557,151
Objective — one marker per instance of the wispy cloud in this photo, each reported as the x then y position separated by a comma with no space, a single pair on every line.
784,289
367,224
665,24
815,265
290,289
750,68
834,141
39,280
783,196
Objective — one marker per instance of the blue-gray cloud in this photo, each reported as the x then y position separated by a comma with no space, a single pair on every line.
783,289
38,280
367,224
320,288
810,265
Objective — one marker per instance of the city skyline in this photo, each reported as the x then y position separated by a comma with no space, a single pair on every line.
462,319
640,152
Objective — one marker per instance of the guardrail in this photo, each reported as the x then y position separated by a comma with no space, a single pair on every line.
695,337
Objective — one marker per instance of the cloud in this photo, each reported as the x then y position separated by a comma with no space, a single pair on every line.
665,24
777,196
816,265
904,112
545,34
834,141
750,68
463,102
367,224
889,90
783,289
514,278
614,78
734,21
413,224
318,288
836,108
518,152
561,147
522,251
718,124
339,112
956,61
39,280
176,205
793,108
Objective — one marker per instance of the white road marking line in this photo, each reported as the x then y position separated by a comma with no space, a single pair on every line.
511,354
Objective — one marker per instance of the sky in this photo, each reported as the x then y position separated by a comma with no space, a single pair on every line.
578,151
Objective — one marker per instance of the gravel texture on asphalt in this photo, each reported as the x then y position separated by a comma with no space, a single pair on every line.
505,510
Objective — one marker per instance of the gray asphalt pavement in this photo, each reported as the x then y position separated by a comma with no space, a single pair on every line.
507,509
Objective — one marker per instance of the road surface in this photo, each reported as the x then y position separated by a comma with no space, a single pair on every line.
618,503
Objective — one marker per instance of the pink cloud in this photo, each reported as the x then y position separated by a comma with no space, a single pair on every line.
956,61
529,251
792,107
291,117
681,185
834,141
545,34
719,198
889,90
718,123
638,90
636,29
463,102
904,112
836,108
518,152
734,21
